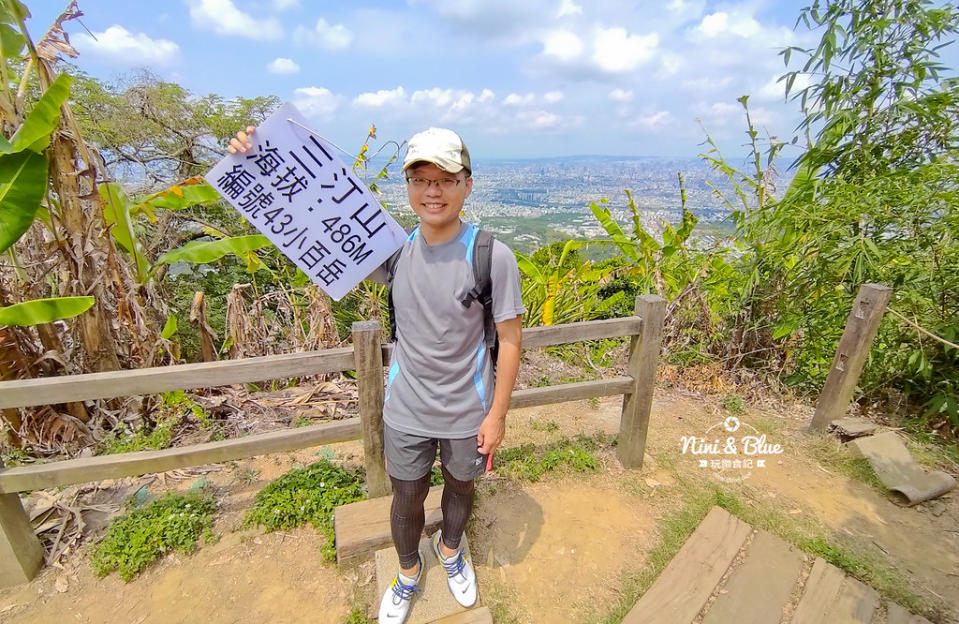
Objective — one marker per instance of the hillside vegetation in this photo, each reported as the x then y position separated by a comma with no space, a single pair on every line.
92,276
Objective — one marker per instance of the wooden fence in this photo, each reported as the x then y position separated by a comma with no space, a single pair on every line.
21,555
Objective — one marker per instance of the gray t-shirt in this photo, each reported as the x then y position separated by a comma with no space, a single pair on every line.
440,382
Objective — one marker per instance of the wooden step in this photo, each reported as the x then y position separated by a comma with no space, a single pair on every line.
760,587
820,591
480,615
682,589
897,615
363,528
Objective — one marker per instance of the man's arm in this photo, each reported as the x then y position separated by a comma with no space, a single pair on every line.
493,429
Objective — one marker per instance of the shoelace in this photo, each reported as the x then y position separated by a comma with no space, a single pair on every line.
402,590
455,566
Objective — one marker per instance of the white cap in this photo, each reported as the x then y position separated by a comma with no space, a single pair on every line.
444,148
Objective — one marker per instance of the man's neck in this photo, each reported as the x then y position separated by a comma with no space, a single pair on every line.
437,236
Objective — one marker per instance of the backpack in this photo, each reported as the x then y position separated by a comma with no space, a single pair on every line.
482,290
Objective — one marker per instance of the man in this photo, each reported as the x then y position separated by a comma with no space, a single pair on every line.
441,389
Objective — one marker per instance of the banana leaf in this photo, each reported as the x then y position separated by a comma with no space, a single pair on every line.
23,181
44,310
201,252
34,132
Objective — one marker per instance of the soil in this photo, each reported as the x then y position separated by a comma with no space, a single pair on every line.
528,540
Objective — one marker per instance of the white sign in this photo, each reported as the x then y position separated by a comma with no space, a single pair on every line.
294,189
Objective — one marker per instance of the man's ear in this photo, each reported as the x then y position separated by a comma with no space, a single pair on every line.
469,186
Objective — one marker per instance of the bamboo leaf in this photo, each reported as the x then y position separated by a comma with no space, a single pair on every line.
44,310
201,252
23,180
34,133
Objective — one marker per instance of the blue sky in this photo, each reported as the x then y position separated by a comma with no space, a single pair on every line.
516,78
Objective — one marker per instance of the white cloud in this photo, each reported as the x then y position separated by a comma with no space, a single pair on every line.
719,113
615,50
316,101
562,44
705,85
653,121
486,96
223,18
568,7
720,23
324,34
282,66
384,97
776,89
553,96
120,45
514,99
620,95
540,120
282,5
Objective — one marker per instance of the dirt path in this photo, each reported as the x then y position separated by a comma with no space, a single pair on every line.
582,531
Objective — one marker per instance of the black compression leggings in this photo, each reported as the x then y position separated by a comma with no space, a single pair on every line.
407,516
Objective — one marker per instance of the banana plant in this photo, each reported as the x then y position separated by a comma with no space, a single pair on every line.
40,311
120,212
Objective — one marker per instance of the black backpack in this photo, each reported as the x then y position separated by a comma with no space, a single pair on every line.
482,290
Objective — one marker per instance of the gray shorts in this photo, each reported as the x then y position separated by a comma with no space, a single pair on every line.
409,457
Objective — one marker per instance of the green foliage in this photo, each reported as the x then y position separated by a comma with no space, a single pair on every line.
734,403
310,495
137,539
157,431
357,615
23,182
202,252
530,462
559,288
44,310
34,133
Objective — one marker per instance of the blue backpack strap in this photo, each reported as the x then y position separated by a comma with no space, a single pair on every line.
390,274
481,258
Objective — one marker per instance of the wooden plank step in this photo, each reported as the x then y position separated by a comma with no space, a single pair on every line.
760,587
362,528
897,615
682,589
855,603
480,615
433,601
820,592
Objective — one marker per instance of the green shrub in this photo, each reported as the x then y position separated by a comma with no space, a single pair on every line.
309,494
531,462
137,539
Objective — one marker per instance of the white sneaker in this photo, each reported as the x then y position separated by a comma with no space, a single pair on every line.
460,576
395,605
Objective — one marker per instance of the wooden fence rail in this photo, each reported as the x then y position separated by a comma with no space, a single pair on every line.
21,555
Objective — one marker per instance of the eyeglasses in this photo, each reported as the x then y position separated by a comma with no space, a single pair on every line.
421,184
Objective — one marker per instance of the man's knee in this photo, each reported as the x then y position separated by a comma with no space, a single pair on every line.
409,496
453,484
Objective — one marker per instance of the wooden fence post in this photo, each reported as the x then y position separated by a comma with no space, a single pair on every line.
643,360
861,328
21,555
368,356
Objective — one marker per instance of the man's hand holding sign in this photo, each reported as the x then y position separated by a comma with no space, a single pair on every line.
292,186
